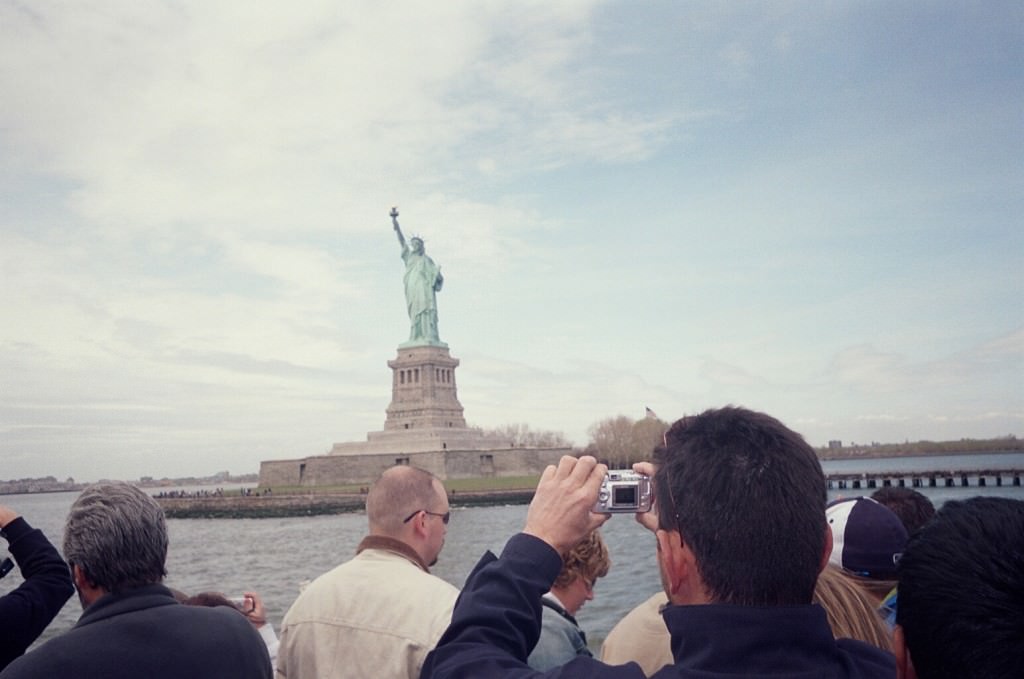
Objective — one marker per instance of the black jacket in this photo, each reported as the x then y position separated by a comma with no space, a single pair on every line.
26,611
145,633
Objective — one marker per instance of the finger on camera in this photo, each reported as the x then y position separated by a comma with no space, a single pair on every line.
580,468
645,468
648,520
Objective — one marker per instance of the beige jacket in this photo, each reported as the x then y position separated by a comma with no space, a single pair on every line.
640,637
377,615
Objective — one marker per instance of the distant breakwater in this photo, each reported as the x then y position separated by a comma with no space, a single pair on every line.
267,506
963,478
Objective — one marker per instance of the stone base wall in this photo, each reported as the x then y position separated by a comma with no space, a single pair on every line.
403,442
255,507
336,470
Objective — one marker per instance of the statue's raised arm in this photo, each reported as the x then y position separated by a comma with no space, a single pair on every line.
422,281
398,229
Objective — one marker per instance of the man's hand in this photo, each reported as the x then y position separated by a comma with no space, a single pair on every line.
7,515
560,513
258,615
648,520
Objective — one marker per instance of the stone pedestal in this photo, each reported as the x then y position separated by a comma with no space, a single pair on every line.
423,393
425,414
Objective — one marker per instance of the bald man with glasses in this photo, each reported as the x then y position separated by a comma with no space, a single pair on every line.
379,614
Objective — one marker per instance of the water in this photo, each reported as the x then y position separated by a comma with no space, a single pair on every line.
274,556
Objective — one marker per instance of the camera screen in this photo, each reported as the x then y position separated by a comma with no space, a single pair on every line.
624,496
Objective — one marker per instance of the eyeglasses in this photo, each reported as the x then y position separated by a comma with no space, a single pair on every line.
444,517
670,486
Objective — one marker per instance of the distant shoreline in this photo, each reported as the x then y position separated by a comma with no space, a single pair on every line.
49,485
268,506
945,449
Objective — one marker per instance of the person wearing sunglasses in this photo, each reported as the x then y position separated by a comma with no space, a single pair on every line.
380,613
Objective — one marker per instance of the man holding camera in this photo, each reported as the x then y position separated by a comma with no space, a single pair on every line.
741,537
378,614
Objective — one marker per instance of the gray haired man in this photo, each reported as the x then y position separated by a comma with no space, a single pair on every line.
115,541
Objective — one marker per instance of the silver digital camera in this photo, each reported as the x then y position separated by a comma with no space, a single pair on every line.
623,490
244,604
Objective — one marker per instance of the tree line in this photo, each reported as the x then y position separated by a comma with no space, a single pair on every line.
616,441
620,441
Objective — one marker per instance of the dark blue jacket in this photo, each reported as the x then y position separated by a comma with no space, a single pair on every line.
497,621
145,633
27,610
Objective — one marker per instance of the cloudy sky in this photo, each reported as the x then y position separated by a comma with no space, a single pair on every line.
808,208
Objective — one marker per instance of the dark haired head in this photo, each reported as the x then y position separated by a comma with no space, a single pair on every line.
913,508
961,591
210,600
747,495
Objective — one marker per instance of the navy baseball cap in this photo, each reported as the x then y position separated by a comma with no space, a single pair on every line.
867,537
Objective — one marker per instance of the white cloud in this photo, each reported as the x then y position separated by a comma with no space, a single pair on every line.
212,113
680,210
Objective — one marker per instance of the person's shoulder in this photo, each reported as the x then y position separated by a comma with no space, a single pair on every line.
644,618
53,658
411,572
866,661
650,609
440,583
202,613
375,574
205,618
325,579
553,621
556,644
222,627
641,636
435,594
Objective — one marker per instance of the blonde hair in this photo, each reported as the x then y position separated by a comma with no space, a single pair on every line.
876,589
588,559
851,612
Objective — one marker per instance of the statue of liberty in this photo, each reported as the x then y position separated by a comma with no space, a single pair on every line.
423,280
